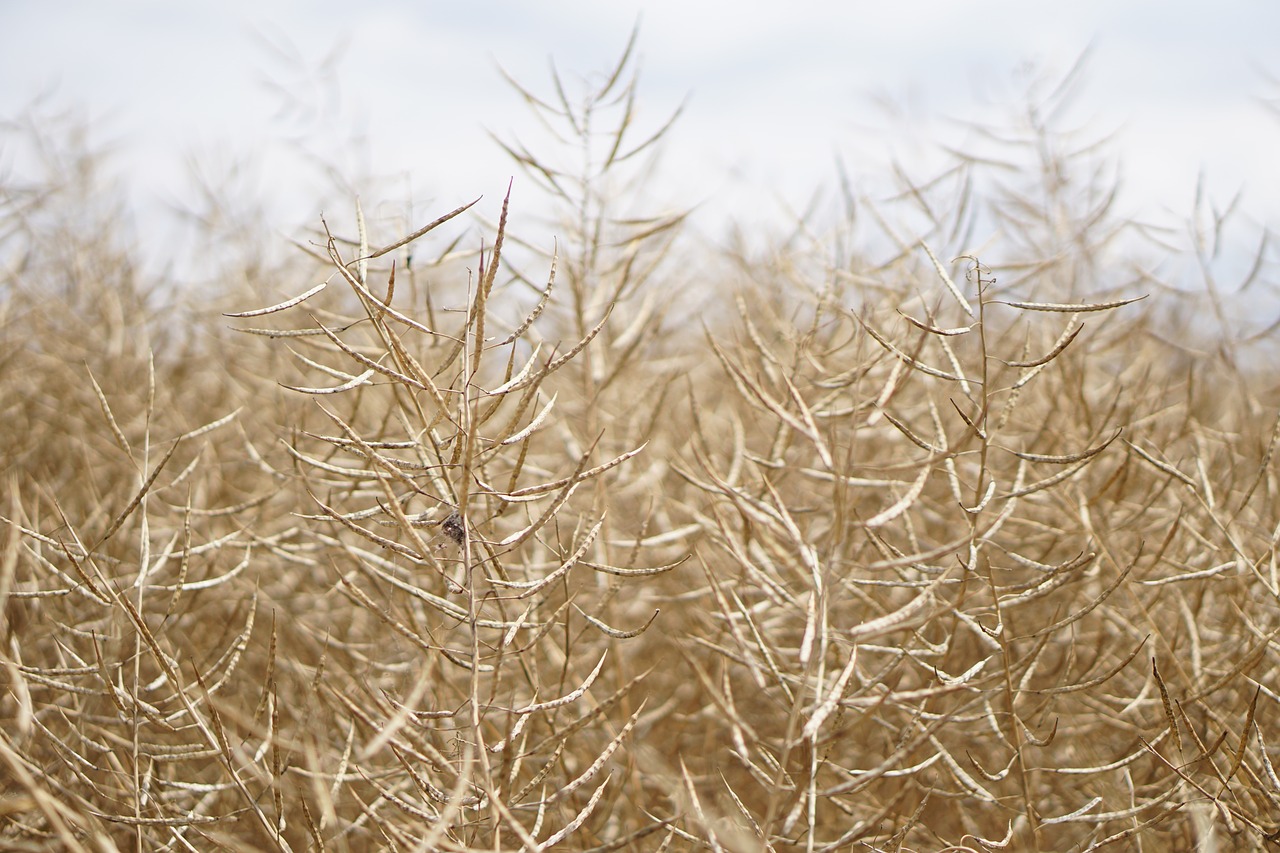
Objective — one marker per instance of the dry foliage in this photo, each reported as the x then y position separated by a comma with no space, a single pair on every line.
902,553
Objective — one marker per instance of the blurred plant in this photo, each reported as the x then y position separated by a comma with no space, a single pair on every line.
598,171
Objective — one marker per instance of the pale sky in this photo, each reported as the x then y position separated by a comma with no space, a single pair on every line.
404,91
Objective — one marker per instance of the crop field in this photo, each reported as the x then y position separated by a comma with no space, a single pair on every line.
951,524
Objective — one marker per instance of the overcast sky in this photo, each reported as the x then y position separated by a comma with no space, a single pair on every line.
406,90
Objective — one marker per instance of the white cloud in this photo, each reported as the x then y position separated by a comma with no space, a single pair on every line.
775,89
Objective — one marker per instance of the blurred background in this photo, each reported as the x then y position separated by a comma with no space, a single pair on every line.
288,106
